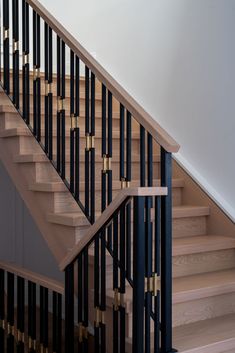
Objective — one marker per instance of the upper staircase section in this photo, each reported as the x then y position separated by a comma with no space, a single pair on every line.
93,132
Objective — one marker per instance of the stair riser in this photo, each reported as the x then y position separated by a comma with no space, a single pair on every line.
203,262
9,120
202,309
57,202
185,313
189,226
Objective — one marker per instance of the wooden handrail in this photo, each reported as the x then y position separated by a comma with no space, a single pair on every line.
107,214
157,132
33,277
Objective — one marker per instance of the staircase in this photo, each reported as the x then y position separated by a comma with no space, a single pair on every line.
94,169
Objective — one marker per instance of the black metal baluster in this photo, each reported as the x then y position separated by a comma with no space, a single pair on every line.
25,62
85,302
138,275
128,147
2,310
122,243
166,253
115,285
10,312
103,292
110,154
73,122
6,44
43,318
157,272
57,317
32,317
15,32
88,141
97,292
69,309
150,160
142,156
92,151
103,150
128,241
50,95
38,79
77,131
63,137
35,73
20,314
122,171
46,98
80,302
59,106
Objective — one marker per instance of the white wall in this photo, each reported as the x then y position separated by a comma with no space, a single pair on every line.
177,58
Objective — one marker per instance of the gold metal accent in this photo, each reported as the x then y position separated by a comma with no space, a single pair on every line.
10,329
25,58
20,336
153,284
74,121
90,142
99,317
36,73
5,33
32,343
60,104
106,163
15,45
82,332
125,184
47,88
2,324
119,299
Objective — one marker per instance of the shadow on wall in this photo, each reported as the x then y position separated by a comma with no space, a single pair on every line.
20,240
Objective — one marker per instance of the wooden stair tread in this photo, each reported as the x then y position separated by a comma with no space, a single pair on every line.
201,243
212,335
24,131
215,335
192,287
74,219
41,157
59,186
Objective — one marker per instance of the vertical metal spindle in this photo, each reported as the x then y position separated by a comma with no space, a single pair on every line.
121,139
103,150
85,296
103,291
80,301
157,251
122,252
43,318
115,285
128,146
97,290
110,154
88,145
25,62
2,310
20,314
57,317
92,161
6,50
166,253
150,159
59,106
77,131
10,312
63,137
142,156
50,95
138,275
32,317
38,79
73,119
15,33
69,309
46,98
